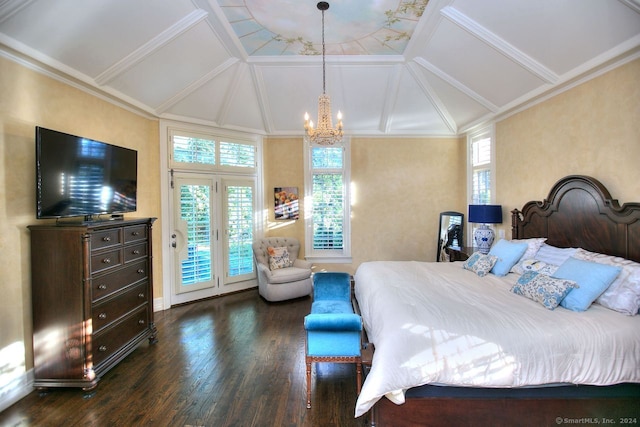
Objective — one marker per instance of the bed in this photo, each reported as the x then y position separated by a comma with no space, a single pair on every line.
453,346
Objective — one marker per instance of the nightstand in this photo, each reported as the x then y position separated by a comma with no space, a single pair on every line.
459,253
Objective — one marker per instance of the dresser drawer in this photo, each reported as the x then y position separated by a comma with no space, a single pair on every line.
105,260
113,309
135,233
134,252
112,339
109,283
105,239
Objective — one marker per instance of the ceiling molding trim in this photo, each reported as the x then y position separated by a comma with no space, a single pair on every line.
8,8
231,91
82,82
434,98
499,44
217,21
633,4
261,92
393,85
209,123
543,94
426,28
456,84
151,46
196,85
372,60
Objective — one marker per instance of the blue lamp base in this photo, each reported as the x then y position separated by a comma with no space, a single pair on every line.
484,238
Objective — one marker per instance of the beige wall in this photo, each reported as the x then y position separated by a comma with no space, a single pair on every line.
28,99
592,129
399,187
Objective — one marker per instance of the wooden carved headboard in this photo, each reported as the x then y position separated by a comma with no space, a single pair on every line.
580,212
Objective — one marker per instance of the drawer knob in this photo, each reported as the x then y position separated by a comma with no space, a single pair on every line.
102,287
135,252
106,261
102,315
135,233
106,239
102,348
141,295
140,271
141,322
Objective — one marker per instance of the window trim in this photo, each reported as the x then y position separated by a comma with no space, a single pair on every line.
323,255
484,132
218,139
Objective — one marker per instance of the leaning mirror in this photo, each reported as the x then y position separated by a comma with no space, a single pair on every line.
449,233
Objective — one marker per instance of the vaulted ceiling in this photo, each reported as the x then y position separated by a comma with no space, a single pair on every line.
394,67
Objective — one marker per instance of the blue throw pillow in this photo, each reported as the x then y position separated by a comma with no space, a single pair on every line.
592,278
508,254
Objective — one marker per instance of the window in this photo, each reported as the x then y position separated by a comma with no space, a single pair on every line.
195,151
327,206
481,163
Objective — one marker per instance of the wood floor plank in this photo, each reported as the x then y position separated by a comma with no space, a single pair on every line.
236,360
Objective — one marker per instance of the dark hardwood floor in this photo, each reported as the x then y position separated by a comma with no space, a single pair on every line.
236,360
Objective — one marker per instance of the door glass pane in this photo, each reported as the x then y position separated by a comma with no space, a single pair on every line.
239,230
195,211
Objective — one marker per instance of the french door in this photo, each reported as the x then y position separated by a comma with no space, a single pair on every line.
212,232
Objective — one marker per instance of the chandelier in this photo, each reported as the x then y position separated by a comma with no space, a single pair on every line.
325,133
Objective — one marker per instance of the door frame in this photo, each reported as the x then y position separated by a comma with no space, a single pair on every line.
168,269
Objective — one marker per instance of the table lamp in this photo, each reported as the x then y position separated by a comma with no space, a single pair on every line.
484,214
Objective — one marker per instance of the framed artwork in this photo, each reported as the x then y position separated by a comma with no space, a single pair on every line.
286,203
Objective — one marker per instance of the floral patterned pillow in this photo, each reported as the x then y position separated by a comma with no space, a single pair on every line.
480,264
278,258
543,289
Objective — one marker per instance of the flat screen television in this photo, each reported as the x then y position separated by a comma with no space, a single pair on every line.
80,177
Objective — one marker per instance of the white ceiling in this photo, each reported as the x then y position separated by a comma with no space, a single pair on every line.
242,64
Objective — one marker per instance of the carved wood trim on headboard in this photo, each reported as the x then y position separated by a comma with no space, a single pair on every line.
580,212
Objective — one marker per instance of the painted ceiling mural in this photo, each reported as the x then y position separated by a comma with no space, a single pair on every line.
352,27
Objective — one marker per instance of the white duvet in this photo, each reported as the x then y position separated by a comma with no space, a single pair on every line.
437,323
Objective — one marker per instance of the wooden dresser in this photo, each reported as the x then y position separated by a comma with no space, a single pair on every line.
92,298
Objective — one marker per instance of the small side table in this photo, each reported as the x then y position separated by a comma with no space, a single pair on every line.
459,253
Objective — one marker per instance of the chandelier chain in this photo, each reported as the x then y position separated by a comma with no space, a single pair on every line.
325,133
323,53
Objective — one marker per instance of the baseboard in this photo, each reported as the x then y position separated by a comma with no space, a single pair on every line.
158,304
16,390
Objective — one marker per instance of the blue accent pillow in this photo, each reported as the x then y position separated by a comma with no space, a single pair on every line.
543,289
592,278
508,254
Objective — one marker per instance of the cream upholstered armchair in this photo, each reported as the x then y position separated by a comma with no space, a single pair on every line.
281,275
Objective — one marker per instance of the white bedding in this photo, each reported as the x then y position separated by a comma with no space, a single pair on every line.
437,323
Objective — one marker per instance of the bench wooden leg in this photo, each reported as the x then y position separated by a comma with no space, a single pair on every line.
308,384
359,376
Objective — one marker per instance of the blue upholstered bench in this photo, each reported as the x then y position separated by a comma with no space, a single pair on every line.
333,329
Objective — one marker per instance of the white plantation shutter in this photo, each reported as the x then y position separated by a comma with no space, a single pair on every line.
481,166
195,211
194,149
327,190
239,197
209,152
328,211
235,154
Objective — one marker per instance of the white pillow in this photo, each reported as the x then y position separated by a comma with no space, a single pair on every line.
532,264
533,246
553,255
623,294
